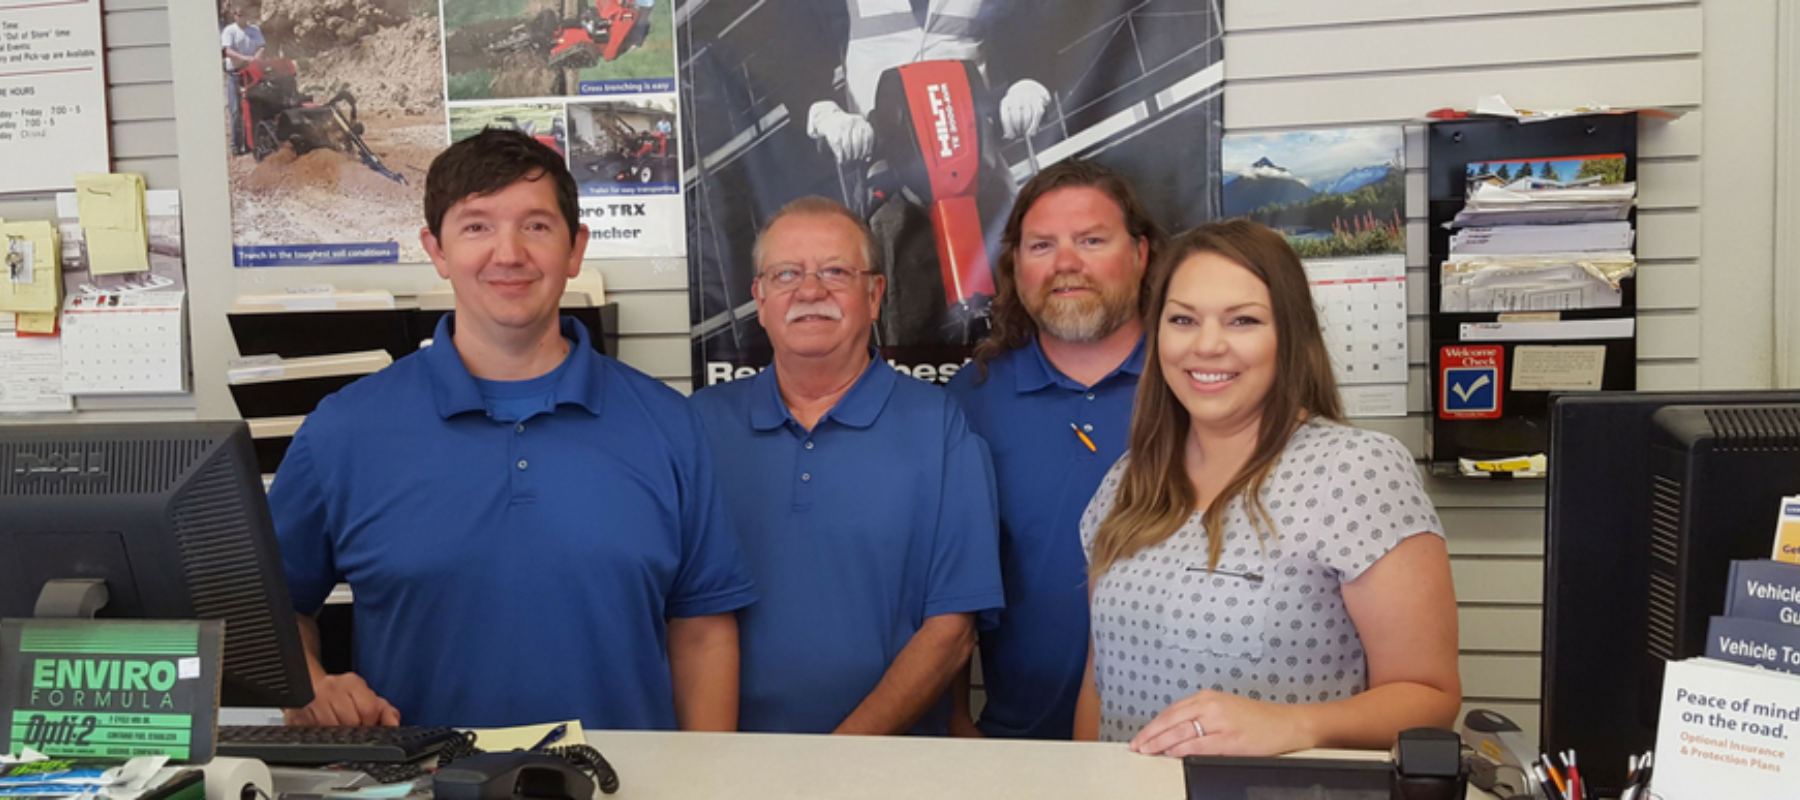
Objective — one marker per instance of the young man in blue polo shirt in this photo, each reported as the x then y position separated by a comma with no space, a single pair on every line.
1051,392
532,530
865,505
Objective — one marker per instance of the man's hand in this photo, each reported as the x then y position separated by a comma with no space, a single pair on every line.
850,136
1023,108
344,700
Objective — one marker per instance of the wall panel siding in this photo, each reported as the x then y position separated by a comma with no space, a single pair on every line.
1251,16
1360,99
1444,45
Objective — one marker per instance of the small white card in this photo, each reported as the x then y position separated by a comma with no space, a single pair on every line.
1543,368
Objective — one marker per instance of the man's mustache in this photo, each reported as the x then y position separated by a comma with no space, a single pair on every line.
826,310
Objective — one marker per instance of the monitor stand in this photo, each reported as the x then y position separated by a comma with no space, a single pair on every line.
71,598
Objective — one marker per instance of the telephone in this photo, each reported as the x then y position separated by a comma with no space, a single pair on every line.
515,775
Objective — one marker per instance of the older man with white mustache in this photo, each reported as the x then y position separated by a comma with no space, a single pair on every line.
865,505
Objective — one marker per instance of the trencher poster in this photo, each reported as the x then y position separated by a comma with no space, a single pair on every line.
335,111
925,117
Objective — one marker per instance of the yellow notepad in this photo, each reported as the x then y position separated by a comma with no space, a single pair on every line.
523,737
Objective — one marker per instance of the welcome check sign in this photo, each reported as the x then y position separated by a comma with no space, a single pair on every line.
113,689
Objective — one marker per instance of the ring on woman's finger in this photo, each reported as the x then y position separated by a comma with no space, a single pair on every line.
1198,731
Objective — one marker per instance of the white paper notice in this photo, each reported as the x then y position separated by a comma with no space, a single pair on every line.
1558,369
52,94
31,378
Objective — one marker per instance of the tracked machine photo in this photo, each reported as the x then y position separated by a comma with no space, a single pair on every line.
602,31
276,112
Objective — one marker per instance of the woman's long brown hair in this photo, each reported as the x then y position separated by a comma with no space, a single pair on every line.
1156,496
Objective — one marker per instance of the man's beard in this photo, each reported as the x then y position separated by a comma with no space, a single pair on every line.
1086,318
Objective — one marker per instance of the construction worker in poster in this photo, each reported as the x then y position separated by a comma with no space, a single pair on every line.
920,192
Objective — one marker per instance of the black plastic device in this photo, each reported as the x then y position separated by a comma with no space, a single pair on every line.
516,775
153,521
279,744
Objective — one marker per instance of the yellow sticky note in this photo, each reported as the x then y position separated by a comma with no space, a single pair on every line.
111,252
36,323
114,202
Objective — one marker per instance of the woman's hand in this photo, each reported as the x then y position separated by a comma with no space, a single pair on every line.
1229,725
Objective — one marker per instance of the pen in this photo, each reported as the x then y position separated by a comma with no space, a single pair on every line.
1576,790
555,735
1084,438
1544,781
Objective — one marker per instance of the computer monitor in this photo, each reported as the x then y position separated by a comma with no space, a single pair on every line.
1642,484
172,519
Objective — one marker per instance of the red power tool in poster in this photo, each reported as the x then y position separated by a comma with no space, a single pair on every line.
940,161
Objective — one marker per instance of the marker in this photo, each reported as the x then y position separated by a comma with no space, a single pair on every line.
1084,438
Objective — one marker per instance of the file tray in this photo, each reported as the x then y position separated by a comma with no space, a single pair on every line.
296,334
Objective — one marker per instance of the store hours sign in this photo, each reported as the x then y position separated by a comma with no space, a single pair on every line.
52,94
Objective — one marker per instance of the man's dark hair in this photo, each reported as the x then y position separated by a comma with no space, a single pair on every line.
1012,324
488,162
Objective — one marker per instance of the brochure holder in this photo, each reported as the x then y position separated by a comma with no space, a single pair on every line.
1478,414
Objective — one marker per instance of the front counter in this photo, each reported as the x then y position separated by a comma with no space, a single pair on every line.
704,766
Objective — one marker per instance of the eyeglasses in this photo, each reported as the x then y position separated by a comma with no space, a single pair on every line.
787,279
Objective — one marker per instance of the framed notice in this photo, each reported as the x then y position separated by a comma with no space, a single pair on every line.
52,94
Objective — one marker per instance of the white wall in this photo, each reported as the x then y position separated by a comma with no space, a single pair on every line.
1706,224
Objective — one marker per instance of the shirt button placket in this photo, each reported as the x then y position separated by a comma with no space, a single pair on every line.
521,465
804,468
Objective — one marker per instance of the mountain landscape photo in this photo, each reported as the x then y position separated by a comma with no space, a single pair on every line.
1331,192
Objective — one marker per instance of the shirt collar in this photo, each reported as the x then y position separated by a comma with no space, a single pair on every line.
858,408
455,391
1036,372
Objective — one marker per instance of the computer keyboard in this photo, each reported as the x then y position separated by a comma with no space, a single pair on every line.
280,744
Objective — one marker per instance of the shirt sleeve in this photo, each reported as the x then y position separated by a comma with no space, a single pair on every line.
1378,501
297,505
713,578
965,557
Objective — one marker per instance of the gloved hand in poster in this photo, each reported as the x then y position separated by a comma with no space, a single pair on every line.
1023,108
849,135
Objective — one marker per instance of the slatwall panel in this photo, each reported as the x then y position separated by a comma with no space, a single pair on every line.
141,105
1296,64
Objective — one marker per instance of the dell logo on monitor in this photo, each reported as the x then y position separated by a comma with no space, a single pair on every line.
33,466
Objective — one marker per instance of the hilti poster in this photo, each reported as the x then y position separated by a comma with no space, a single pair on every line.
336,109
924,117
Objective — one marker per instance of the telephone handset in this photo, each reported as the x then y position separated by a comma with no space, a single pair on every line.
521,775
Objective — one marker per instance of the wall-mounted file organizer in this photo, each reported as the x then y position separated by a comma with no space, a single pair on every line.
321,351
293,334
1513,325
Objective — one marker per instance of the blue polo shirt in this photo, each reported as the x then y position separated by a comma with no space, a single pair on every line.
510,572
1031,663
857,531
